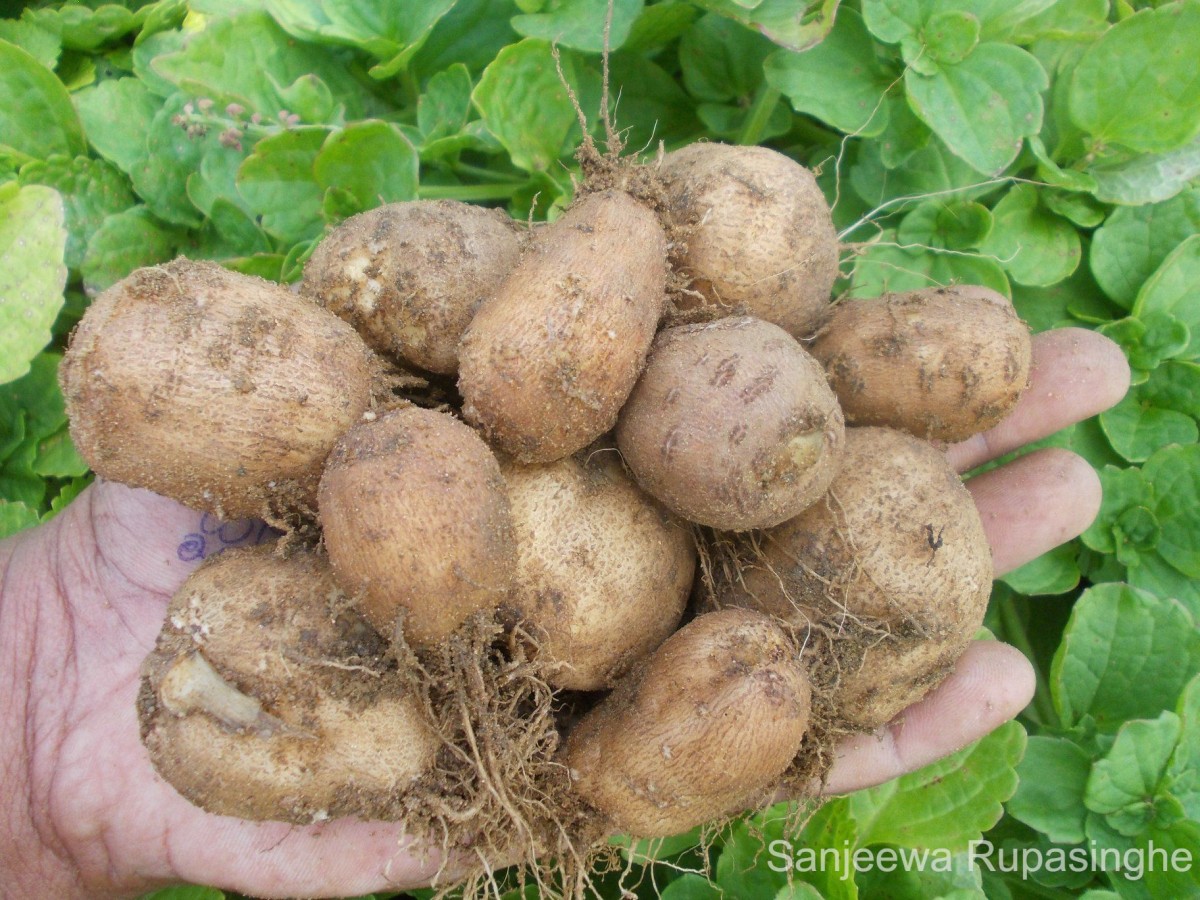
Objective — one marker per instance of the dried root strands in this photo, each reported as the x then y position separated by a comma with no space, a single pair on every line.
755,232
547,363
268,698
701,730
417,523
732,425
892,567
409,276
220,390
940,363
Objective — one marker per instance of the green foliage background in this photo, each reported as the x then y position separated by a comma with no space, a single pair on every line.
1048,148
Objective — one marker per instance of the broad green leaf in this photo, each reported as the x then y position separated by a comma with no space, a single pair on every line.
950,36
721,61
953,224
116,115
1054,174
36,400
370,159
1139,85
983,106
37,119
33,241
792,24
1135,240
691,887
1064,20
225,63
58,458
579,24
800,890
1125,654
1147,177
91,189
1052,573
659,25
905,874
446,103
743,868
840,81
87,28
1183,773
831,826
15,516
1123,489
890,266
1170,291
1180,841
18,481
1035,246
1123,784
310,98
1049,797
652,106
946,804
391,32
1051,307
43,44
126,241
646,850
524,104
904,135
894,20
1148,341
1175,473
471,33
279,184
1160,411
186,892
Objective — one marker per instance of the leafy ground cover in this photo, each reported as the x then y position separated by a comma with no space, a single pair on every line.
1047,148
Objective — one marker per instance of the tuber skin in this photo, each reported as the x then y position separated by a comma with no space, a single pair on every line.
547,363
941,363
698,731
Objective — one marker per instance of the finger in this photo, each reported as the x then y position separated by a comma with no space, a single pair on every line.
1076,374
991,683
1035,503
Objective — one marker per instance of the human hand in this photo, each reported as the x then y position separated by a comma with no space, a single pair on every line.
83,597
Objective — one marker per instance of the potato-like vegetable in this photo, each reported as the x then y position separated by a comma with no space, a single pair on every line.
732,425
940,363
267,697
603,571
219,390
417,523
698,731
758,233
895,556
409,276
546,364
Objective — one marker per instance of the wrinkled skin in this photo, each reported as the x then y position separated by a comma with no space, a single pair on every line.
82,813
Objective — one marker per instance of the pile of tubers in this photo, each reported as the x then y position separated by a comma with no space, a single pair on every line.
577,539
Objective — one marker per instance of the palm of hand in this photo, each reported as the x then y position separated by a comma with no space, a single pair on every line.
93,587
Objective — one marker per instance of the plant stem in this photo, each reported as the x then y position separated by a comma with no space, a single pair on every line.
468,193
760,114
1014,631
462,168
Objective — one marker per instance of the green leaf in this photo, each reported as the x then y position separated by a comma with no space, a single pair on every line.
1179,841
647,850
1035,246
1052,573
445,104
653,107
84,28
91,189
36,400
1134,241
1160,411
1123,784
691,887
1138,85
894,20
1125,654
370,159
280,186
950,36
722,61
525,106
1170,291
742,870
1175,473
1049,797
789,23
43,44
1052,307
15,516
186,892
1183,773
32,274
472,33
391,32
840,81
938,878
1123,489
1145,178
983,106
887,266
904,135
1065,20
954,225
225,63
659,25
126,241
37,119
117,114
946,804
58,458
579,24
